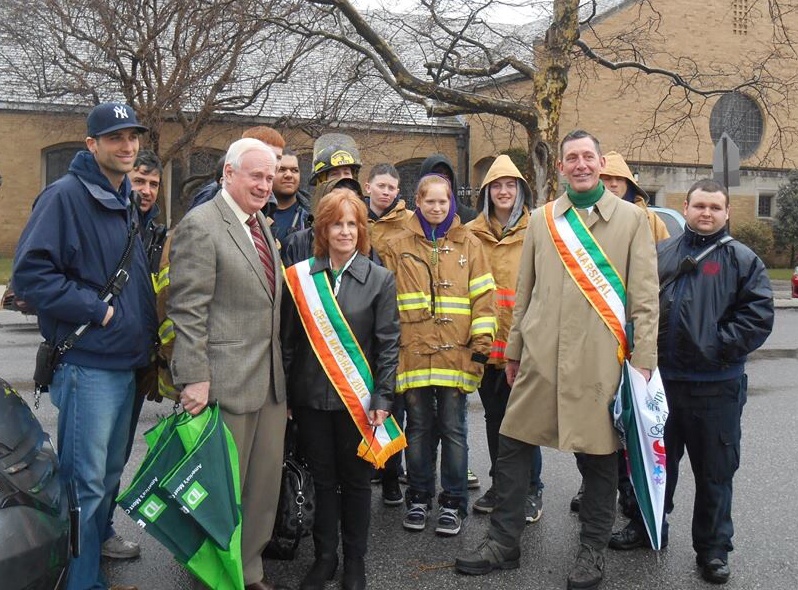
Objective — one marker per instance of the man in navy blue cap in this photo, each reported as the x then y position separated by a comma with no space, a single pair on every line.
73,244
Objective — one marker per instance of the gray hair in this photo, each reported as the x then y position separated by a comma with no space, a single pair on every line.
240,147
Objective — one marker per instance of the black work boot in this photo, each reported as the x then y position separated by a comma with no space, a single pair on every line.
488,556
588,569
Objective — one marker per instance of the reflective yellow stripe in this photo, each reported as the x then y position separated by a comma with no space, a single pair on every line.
166,389
480,285
414,300
161,281
453,305
440,377
484,325
166,331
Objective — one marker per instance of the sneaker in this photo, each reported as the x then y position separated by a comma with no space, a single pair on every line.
487,557
118,548
449,522
576,501
391,493
486,503
416,517
473,481
716,571
588,569
534,506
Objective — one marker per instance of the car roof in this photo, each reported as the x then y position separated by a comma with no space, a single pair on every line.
672,219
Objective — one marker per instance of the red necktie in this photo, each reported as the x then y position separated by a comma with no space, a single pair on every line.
264,252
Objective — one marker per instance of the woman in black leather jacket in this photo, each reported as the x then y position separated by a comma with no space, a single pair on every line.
328,435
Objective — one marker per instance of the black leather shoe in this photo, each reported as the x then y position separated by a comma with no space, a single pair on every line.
716,571
323,569
354,574
633,536
629,537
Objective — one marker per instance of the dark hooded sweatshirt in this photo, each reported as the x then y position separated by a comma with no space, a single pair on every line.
466,213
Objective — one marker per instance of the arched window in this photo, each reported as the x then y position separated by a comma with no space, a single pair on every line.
409,171
738,115
481,171
56,160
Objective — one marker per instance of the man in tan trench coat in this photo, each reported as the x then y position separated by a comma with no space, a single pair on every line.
563,363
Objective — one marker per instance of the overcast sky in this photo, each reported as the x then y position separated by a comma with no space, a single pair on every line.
502,11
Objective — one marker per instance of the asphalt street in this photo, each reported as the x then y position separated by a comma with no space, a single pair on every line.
766,538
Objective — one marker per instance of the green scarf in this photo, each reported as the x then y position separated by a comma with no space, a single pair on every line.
586,199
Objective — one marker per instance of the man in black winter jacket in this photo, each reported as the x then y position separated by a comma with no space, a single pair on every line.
712,315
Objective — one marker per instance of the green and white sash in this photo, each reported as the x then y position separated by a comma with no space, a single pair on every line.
340,355
591,270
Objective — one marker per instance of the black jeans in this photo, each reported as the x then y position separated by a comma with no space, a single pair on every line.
704,418
393,466
328,441
494,391
511,481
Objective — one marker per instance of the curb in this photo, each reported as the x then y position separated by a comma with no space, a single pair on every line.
770,354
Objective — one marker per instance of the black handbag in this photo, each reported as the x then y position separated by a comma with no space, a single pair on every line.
296,505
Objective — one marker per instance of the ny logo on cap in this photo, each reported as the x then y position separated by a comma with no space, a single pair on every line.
120,112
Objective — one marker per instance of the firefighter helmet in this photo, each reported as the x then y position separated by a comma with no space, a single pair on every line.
333,150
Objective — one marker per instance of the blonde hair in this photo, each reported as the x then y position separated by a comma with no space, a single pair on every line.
429,180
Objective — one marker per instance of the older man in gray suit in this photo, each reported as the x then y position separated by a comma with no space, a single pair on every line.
225,304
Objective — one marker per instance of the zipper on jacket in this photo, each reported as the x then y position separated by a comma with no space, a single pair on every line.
678,294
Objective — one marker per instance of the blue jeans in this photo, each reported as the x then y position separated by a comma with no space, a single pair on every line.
94,409
138,405
452,426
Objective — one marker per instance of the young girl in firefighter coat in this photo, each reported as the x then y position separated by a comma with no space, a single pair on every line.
445,293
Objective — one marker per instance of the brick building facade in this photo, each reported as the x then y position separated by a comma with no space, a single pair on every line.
643,117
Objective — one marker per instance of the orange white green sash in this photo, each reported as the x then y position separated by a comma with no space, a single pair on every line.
343,360
591,270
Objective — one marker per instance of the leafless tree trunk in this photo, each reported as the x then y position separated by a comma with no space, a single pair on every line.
449,57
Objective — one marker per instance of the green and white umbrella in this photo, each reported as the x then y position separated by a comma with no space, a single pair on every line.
640,412
187,495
